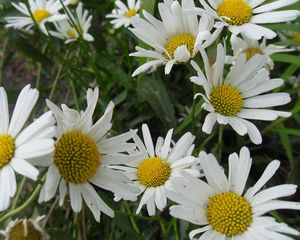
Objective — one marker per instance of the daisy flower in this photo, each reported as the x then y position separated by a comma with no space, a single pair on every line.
124,15
244,16
25,229
155,166
175,39
221,208
241,95
17,146
251,47
42,11
82,158
70,33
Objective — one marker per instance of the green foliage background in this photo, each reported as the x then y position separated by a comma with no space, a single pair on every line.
63,74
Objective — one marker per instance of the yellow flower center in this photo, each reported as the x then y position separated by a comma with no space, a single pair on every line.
250,52
72,32
229,213
21,232
40,15
130,13
77,157
235,12
295,37
180,40
153,172
7,149
226,100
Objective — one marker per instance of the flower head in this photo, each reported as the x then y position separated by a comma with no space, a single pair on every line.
42,11
251,47
244,16
24,229
221,207
82,157
18,145
153,167
124,15
68,32
175,39
241,95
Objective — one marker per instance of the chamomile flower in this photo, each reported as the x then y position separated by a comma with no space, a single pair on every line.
124,15
176,39
220,206
22,229
241,95
245,16
154,167
82,157
251,47
17,146
68,32
42,11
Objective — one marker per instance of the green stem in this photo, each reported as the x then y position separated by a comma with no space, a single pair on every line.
26,204
163,228
74,94
295,110
135,226
39,73
20,189
220,143
193,111
176,230
3,58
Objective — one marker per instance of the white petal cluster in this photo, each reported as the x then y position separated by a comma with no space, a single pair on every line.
193,196
251,80
175,21
124,14
177,156
68,32
33,141
69,26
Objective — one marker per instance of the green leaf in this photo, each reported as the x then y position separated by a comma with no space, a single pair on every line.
28,49
286,58
289,131
153,91
285,141
148,5
58,234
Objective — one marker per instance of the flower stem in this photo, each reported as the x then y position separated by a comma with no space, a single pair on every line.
26,204
21,186
193,111
135,226
220,143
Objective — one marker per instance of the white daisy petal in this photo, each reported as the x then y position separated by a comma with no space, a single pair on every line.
4,115
75,197
213,172
268,173
215,208
24,168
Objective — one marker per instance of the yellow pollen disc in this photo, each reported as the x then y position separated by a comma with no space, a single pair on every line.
229,213
77,157
180,40
40,15
7,149
153,172
17,232
250,52
226,100
235,12
295,37
130,13
72,32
